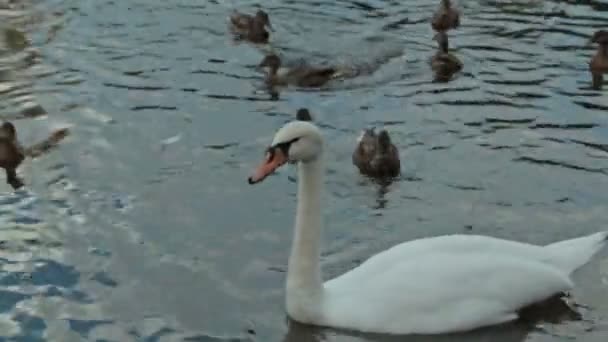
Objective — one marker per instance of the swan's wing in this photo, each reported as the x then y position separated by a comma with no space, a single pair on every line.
439,293
565,255
455,243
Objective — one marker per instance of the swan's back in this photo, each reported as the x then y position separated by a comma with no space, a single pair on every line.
566,255
452,283
442,293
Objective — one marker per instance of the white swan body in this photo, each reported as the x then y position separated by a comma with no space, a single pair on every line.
426,286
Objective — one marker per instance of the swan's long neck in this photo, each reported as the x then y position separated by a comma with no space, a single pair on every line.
304,287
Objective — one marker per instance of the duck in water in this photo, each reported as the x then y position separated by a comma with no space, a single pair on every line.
301,76
376,155
446,17
599,62
252,28
12,153
443,63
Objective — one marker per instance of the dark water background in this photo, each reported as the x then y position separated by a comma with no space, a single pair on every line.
141,226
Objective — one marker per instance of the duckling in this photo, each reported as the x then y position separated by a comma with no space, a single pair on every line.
443,63
301,76
303,115
252,28
11,154
446,17
376,156
599,63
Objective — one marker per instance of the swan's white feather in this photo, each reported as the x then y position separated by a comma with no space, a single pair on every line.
439,293
565,255
451,283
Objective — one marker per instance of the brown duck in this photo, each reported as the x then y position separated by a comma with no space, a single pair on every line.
443,63
252,28
301,76
376,156
599,62
446,17
303,115
12,153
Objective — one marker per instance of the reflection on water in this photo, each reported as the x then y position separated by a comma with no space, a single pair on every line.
141,227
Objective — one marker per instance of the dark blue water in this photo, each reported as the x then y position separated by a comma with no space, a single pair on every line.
141,227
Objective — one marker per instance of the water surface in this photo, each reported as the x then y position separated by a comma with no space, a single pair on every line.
141,226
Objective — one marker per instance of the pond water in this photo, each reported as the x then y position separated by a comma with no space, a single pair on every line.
141,226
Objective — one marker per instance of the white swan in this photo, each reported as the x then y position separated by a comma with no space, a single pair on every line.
427,286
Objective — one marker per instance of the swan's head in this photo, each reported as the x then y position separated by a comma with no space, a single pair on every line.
297,141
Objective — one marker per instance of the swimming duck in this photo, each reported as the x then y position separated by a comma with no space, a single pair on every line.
443,63
446,17
599,63
252,28
303,115
376,156
12,153
301,76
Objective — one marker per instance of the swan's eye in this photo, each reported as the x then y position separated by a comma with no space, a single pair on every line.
284,146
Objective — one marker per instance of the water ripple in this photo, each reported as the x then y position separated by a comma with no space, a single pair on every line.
124,234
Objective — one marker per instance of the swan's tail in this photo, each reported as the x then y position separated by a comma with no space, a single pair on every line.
569,255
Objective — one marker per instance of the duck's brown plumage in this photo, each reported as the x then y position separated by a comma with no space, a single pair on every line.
446,17
599,62
444,64
376,156
11,154
252,28
301,76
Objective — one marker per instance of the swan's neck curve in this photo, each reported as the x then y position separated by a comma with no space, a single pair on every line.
304,287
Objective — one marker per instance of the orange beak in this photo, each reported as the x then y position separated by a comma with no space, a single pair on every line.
274,159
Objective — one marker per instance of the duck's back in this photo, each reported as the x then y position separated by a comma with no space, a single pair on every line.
240,21
364,152
386,164
305,76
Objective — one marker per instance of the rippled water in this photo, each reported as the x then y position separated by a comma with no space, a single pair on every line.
141,227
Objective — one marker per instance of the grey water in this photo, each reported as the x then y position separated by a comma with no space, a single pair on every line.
141,225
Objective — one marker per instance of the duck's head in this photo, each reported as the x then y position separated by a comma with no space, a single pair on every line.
8,130
296,141
262,17
303,115
271,61
600,37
